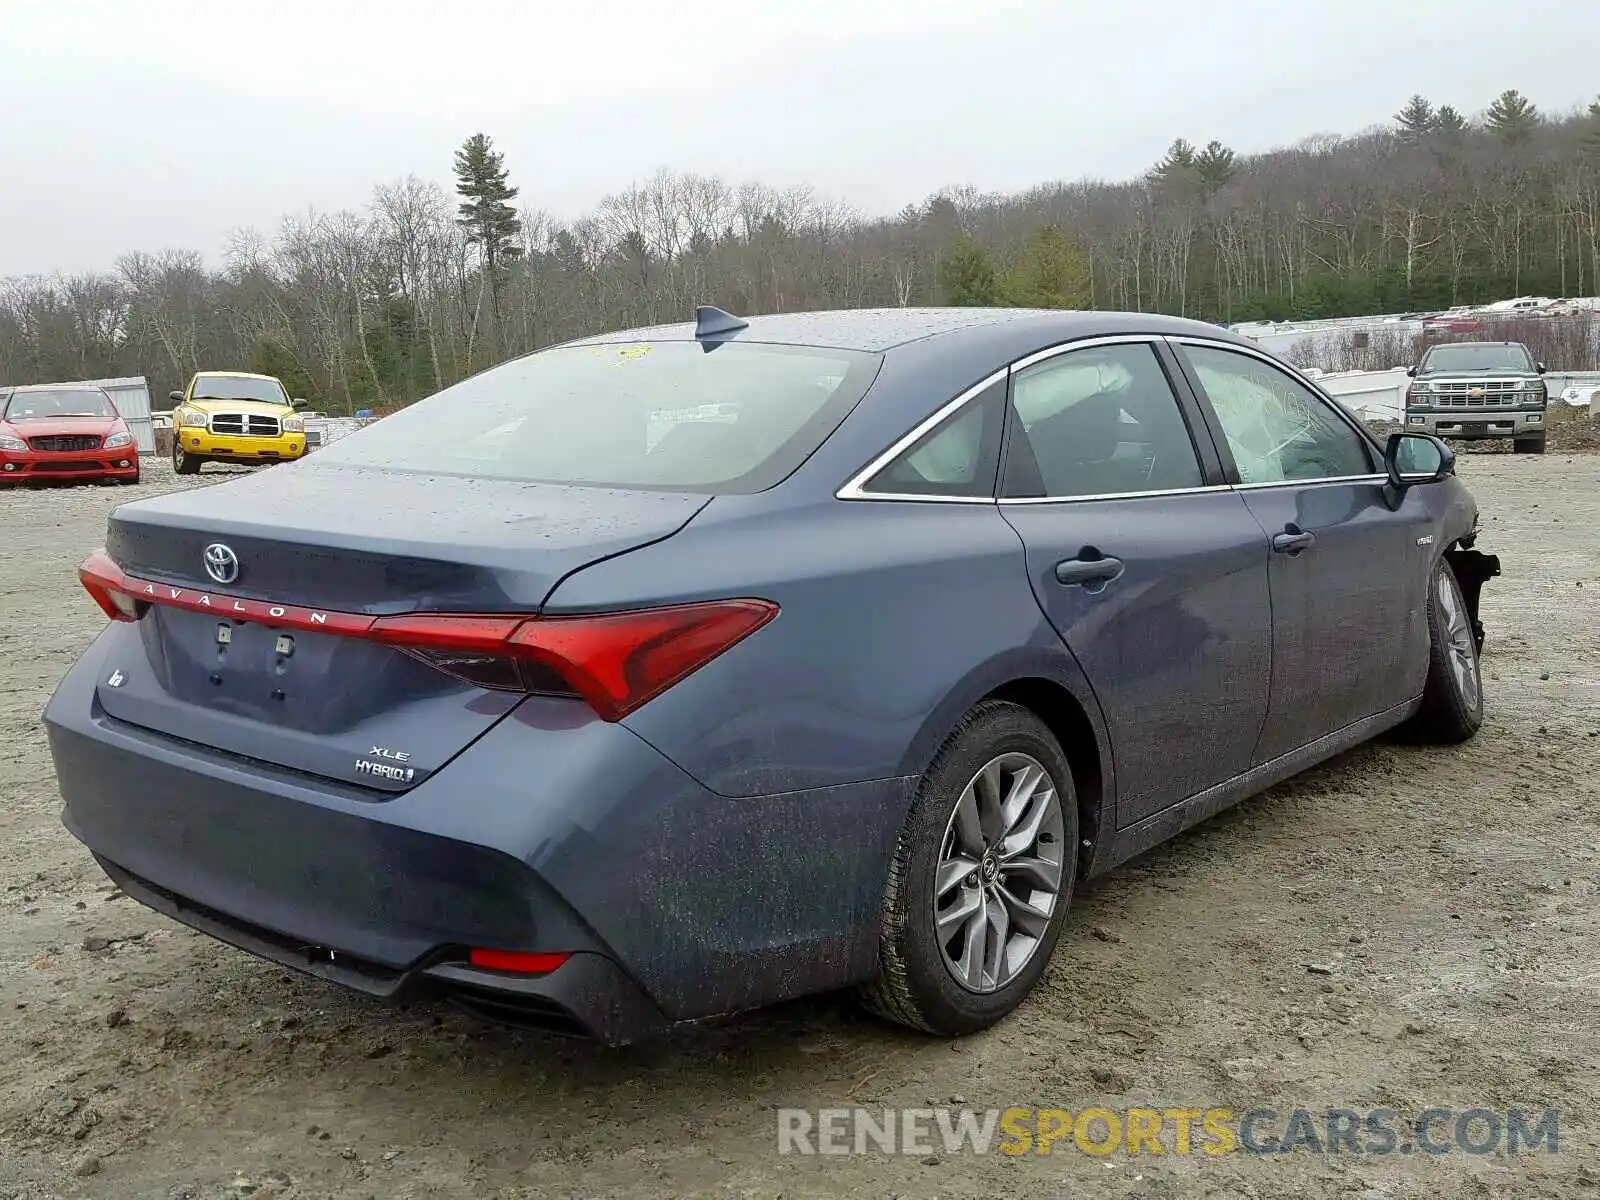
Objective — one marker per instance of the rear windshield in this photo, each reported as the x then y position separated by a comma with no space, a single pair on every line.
1470,356
224,387
27,405
670,416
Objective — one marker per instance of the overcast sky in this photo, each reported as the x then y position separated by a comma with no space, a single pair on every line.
167,123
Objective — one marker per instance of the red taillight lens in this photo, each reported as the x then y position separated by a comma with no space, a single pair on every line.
614,661
617,661
516,962
104,581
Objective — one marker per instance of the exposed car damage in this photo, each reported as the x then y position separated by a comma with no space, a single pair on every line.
1473,569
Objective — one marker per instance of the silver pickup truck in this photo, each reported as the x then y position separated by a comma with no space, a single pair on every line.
1479,390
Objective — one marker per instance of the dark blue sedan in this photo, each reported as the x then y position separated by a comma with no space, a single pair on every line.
678,671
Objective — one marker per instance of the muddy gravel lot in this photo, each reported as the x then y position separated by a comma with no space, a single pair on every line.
1405,928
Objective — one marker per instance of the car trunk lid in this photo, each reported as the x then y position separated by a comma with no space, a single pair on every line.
255,655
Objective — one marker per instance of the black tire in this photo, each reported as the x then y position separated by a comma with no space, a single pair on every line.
915,987
1529,445
183,463
1450,712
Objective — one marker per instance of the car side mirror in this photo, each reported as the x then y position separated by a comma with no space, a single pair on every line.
175,397
1411,371
298,404
1541,368
1413,458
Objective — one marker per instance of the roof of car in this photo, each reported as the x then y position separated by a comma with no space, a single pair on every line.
880,329
234,375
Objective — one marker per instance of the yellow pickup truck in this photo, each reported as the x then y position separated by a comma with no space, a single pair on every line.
233,416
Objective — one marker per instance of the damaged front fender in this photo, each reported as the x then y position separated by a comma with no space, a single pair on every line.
1473,569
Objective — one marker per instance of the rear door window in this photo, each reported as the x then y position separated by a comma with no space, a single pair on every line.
1099,421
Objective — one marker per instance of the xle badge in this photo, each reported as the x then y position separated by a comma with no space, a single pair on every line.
117,678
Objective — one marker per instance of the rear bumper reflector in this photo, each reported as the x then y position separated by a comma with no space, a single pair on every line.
515,962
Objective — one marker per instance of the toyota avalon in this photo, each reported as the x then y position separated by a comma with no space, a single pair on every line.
708,665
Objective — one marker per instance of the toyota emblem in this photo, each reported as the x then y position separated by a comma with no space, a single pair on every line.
222,564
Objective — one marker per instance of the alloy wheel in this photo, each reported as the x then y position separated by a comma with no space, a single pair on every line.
999,875
1460,645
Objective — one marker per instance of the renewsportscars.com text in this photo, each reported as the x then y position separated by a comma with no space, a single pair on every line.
1154,1131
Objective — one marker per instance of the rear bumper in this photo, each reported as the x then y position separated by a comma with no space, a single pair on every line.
552,833
37,466
588,996
1468,424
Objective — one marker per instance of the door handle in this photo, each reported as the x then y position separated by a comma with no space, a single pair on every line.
1088,570
1292,540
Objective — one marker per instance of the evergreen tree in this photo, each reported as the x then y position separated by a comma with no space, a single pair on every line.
1449,122
1512,117
271,357
568,254
486,212
1053,273
967,276
1591,136
1215,165
1179,161
1417,119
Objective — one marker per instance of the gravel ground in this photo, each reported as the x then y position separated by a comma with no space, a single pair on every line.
1445,897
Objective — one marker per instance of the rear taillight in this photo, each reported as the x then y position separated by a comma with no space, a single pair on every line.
106,583
613,661
617,661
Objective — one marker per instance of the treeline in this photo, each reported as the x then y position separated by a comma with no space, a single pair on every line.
424,286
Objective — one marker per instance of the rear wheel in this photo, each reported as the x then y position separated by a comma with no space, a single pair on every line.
981,877
1452,698
182,462
1529,445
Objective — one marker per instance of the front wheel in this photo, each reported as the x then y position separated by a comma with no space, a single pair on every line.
182,462
981,878
1529,445
1452,698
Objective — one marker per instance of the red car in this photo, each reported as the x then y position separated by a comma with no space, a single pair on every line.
65,431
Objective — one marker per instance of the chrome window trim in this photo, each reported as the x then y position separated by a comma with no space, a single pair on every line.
902,497
1304,483
1110,339
855,487
1186,491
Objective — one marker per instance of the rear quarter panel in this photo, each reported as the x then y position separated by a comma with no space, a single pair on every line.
895,617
